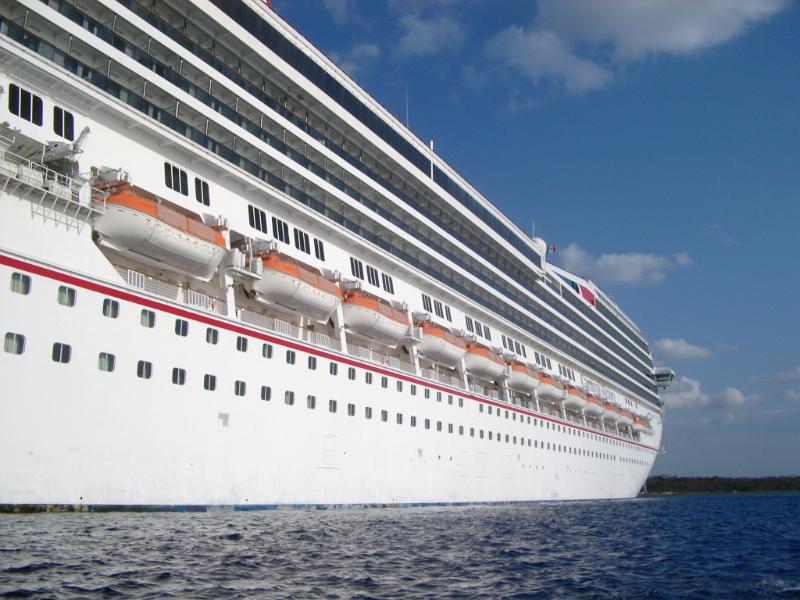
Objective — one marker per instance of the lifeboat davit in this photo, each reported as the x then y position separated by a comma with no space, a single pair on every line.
522,378
593,408
574,398
373,317
158,233
611,413
483,362
441,345
294,285
549,390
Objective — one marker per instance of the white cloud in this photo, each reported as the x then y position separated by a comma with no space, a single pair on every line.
631,268
342,10
581,44
688,393
541,55
425,37
680,349
786,376
635,29
356,60
791,394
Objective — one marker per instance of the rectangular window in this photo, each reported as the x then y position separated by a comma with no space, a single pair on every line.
290,357
367,412
20,284
438,396
388,283
356,268
427,393
144,369
351,410
333,368
384,416
487,333
280,230
413,421
106,362
147,318
478,328
384,382
437,308
266,350
319,249
181,327
449,428
288,398
399,386
257,218
241,343
110,308
301,241
63,123
351,373
399,418
25,105
62,352
239,387
517,348
209,382
266,393
505,343
372,276
66,295
14,343
438,425
427,423
368,377
447,314
426,303
468,322
201,191
212,335
176,179
332,406
311,402
413,389
178,376
312,363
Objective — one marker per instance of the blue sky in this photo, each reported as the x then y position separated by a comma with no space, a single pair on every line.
657,144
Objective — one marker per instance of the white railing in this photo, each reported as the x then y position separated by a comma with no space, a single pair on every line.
51,194
173,292
380,358
442,378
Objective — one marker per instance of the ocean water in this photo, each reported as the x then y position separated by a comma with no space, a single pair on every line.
734,546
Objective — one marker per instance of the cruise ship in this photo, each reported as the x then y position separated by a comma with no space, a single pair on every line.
231,278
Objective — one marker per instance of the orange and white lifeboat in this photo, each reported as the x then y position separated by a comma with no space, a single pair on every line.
441,345
574,398
639,424
158,233
611,413
594,407
483,362
373,317
291,284
522,377
548,389
625,417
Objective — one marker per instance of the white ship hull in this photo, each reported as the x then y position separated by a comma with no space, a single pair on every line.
127,384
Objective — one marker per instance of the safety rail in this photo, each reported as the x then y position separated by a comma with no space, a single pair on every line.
170,291
380,358
442,378
52,195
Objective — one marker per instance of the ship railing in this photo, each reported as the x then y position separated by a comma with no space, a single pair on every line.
379,358
287,329
170,291
442,378
52,195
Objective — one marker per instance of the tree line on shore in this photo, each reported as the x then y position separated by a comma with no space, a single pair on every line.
665,484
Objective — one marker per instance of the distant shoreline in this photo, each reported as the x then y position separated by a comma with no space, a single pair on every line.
670,484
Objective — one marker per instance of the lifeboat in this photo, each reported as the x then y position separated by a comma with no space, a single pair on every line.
291,284
522,378
593,408
639,425
549,390
373,317
441,345
158,233
483,362
625,417
611,414
574,398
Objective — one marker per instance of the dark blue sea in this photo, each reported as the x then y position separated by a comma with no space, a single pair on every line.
727,546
